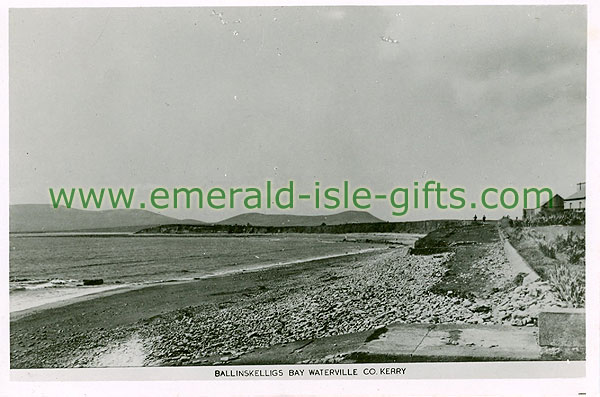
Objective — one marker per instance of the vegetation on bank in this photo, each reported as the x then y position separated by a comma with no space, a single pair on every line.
556,253
558,256
565,218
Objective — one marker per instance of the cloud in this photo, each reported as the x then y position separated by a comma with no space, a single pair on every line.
471,94
501,61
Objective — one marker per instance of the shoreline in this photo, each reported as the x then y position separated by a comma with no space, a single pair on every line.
55,336
216,320
201,235
118,289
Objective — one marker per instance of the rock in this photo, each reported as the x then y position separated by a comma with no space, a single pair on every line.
481,308
94,281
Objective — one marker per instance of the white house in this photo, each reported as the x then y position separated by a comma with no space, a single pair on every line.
576,201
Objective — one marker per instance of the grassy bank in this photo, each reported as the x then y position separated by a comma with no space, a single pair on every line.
557,254
469,273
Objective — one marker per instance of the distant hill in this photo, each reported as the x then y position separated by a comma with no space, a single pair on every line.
45,218
256,219
374,227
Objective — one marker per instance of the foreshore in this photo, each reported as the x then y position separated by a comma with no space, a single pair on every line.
50,336
88,293
216,320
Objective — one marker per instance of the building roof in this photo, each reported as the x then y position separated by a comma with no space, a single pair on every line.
578,195
546,202
552,199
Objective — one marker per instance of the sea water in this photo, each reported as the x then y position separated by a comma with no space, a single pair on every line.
51,268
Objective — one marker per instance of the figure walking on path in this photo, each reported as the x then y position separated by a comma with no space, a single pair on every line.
475,218
483,219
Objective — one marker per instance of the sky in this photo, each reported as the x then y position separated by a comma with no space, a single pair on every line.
472,97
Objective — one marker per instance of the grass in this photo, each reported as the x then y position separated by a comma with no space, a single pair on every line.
469,244
564,218
557,255
547,249
569,284
572,245
527,243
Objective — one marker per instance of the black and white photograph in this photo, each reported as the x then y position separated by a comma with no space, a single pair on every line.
286,192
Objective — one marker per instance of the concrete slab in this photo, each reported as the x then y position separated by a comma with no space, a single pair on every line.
430,343
400,342
475,343
562,327
398,339
310,349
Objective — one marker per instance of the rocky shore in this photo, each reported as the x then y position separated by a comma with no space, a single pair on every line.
392,287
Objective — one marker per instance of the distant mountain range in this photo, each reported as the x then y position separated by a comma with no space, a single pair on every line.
256,219
45,218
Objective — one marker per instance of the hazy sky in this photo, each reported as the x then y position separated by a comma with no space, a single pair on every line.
382,96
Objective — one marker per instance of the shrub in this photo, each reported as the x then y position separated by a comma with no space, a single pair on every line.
572,245
568,218
548,249
569,284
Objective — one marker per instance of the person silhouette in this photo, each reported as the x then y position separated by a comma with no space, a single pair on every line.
475,218
483,219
